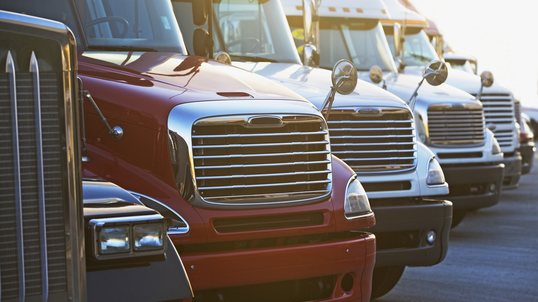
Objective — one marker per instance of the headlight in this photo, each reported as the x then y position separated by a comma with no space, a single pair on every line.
356,203
435,173
133,236
495,148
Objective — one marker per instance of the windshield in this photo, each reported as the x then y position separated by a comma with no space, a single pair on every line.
418,50
146,25
248,30
463,65
360,40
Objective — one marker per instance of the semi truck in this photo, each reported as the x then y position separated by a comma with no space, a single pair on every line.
449,121
498,102
370,129
260,209
65,239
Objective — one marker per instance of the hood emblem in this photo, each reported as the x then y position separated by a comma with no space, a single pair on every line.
369,111
265,122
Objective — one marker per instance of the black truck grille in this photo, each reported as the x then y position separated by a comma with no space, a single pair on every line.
235,164
374,144
32,191
455,126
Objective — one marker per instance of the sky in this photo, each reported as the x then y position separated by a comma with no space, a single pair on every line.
502,35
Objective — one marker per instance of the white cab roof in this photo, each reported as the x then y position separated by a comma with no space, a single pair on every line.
399,13
366,9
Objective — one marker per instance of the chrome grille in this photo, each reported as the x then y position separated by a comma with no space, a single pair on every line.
32,192
261,164
460,125
517,111
374,143
499,110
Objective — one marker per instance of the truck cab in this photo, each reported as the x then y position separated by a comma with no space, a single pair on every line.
241,163
370,129
65,239
498,101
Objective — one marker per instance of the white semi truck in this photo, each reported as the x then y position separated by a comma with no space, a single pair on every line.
370,129
498,101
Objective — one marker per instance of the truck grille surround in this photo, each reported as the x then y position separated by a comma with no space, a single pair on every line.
376,141
499,110
252,160
33,193
456,125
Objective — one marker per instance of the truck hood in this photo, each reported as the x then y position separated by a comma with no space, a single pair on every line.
199,77
403,85
465,81
314,84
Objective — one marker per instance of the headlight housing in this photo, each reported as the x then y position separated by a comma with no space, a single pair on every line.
356,203
124,237
435,173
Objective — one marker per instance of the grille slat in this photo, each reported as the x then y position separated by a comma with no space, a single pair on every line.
235,164
500,111
374,144
455,126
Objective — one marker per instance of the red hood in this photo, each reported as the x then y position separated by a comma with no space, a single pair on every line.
153,83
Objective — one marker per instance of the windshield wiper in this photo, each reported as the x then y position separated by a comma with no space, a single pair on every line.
121,48
252,59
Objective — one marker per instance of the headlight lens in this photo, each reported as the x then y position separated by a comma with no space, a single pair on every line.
435,173
495,148
356,202
148,237
114,240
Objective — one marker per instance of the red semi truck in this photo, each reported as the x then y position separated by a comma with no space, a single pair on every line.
261,210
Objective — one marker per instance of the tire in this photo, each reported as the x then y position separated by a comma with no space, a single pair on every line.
457,217
384,280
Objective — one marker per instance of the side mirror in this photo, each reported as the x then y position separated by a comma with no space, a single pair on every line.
344,77
223,57
398,39
199,12
486,78
307,21
376,74
201,39
310,55
436,73
400,65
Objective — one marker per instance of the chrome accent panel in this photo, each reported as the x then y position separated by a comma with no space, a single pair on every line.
171,229
456,125
384,142
226,153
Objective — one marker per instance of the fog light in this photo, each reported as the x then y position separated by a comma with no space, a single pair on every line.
431,237
492,187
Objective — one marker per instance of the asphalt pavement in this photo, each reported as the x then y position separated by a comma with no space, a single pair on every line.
492,255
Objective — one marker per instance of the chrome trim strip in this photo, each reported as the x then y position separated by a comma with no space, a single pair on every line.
243,120
377,158
368,122
267,165
261,145
261,155
457,106
375,144
373,151
267,185
375,136
371,129
34,69
171,230
99,222
235,197
10,70
261,134
264,175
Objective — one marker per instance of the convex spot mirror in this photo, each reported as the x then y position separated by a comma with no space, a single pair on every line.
344,77
223,57
436,73
376,74
486,78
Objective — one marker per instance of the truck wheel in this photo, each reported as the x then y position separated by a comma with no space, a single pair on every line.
457,217
384,279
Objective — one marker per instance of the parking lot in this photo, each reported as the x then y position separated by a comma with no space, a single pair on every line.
493,255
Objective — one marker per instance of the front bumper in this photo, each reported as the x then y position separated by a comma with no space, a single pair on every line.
401,229
512,170
231,273
470,185
527,157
